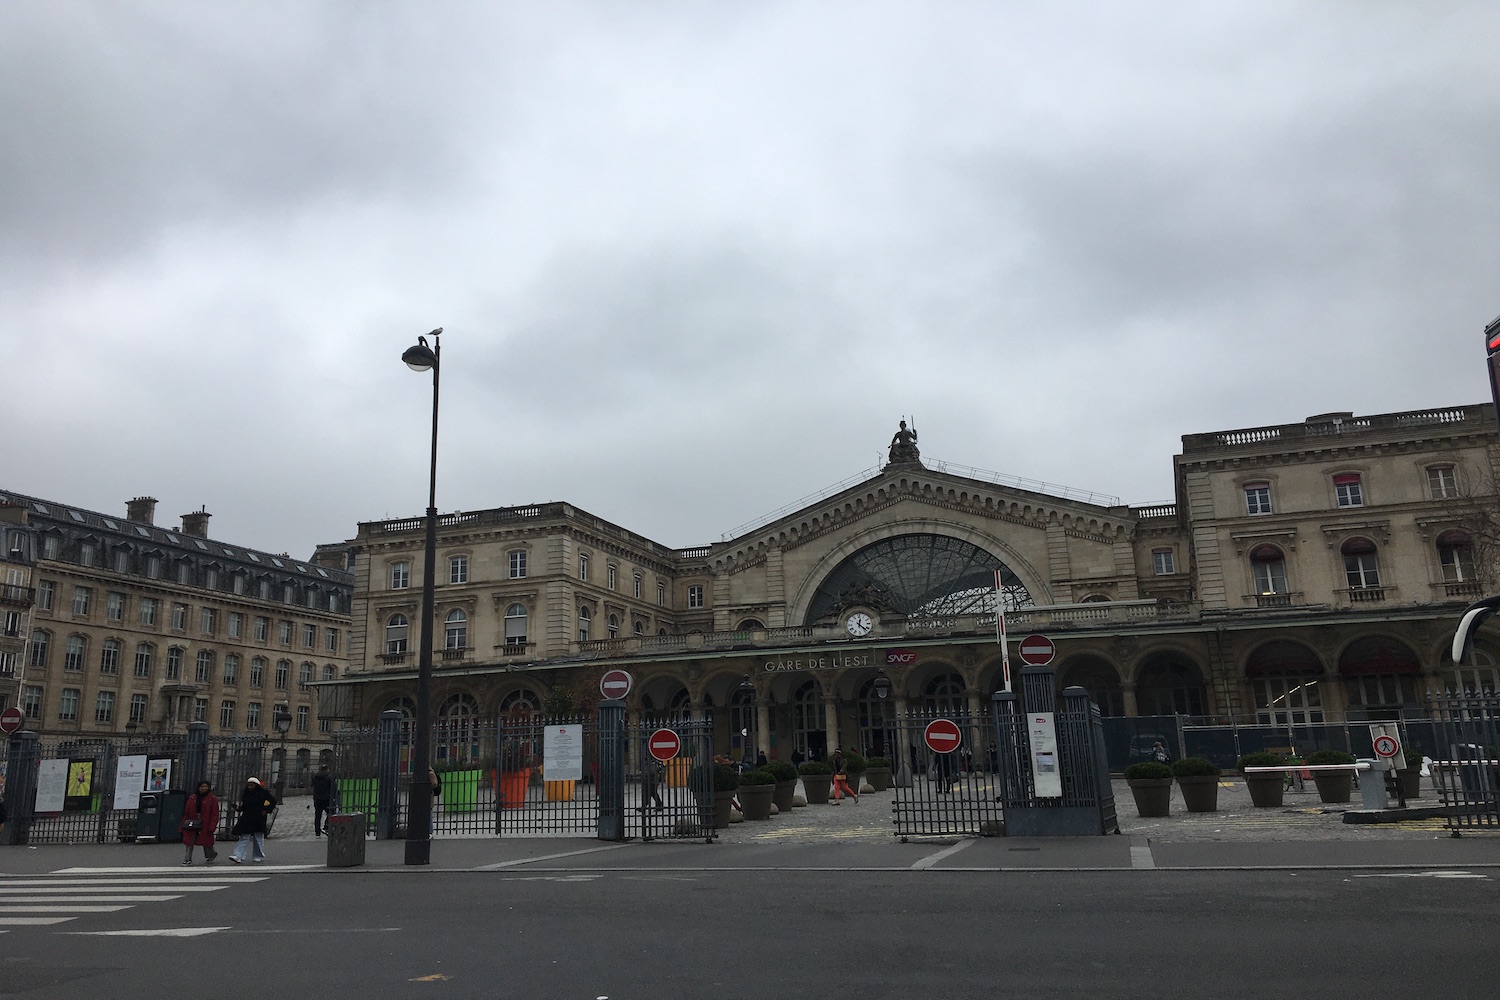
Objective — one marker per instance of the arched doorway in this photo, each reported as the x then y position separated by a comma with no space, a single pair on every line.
809,737
877,718
1380,676
1099,678
1284,677
1168,684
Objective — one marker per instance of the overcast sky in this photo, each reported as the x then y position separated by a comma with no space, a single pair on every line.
695,260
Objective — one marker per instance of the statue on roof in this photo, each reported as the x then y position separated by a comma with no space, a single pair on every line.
904,447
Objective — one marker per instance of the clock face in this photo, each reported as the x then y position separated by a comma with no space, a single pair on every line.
859,623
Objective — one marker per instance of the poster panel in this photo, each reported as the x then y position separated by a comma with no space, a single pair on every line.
562,753
1046,776
51,785
80,793
130,779
159,775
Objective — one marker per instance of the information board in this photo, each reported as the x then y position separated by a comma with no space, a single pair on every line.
1045,774
562,753
51,785
130,780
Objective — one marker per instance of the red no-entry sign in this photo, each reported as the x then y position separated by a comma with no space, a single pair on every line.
12,719
1037,650
1387,746
942,736
615,684
664,744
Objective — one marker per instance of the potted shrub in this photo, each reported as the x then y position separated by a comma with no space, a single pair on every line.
756,789
1199,781
726,781
855,765
878,773
817,777
515,772
1268,787
786,784
1333,786
1410,777
1151,784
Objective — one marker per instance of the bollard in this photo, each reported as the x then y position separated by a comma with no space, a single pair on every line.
346,840
1372,785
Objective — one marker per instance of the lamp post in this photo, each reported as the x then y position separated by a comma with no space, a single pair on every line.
281,721
421,358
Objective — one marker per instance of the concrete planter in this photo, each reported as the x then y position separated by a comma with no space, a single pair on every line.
1266,790
1411,782
1200,794
723,806
879,778
755,800
1153,796
1333,786
817,786
785,792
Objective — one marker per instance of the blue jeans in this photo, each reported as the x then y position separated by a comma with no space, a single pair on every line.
258,840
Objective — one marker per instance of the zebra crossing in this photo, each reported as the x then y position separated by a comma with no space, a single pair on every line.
70,893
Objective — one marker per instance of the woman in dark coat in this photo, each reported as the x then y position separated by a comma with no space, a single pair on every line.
255,805
200,821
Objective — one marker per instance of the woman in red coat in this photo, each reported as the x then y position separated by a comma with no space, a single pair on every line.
200,821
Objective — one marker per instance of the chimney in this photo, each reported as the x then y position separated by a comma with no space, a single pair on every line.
196,523
142,509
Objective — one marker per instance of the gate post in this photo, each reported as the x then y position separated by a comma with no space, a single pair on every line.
612,770
1009,752
20,787
387,773
195,755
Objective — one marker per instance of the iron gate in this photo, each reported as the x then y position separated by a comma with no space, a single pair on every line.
953,793
672,800
1464,764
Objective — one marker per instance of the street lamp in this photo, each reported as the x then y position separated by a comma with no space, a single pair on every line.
421,358
281,721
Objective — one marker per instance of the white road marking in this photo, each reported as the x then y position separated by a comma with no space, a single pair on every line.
946,852
178,885
92,897
177,869
549,857
62,909
1437,874
33,921
159,932
1140,853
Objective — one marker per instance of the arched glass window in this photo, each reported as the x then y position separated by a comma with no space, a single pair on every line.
457,733
40,641
584,620
1098,677
1361,564
109,657
1284,676
944,695
144,653
614,626
456,630
877,717
521,704
515,627
1268,567
395,635
742,723
1169,687
920,576
750,625
1456,555
808,736
1478,675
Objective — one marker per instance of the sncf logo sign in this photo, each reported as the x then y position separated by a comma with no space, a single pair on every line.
900,657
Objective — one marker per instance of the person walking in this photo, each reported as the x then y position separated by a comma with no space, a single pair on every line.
841,778
322,789
255,806
200,823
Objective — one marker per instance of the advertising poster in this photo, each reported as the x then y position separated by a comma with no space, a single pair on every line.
80,793
159,775
51,785
562,753
130,779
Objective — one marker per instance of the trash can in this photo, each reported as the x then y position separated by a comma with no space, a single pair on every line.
148,818
173,803
346,840
1372,785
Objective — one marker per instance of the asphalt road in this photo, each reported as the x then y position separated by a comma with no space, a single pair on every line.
590,933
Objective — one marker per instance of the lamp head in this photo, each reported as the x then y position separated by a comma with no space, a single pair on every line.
420,357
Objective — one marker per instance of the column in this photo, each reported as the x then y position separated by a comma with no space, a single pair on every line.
831,723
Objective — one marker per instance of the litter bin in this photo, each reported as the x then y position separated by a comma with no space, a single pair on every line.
148,818
346,840
172,805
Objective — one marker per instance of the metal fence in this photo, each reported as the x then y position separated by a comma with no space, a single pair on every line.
1129,740
671,800
1465,768
950,793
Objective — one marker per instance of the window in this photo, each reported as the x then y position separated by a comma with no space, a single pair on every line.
139,706
611,574
614,627
179,617
236,625
283,674
46,591
695,596
184,573
331,640
288,593
583,567
51,545
310,636
1347,490
153,567
584,618
635,584
104,708
143,656
1442,482
1456,556
661,595
67,705
1361,564
1268,566
174,663
302,717
114,606
252,715
148,611
456,630
109,657
208,621
400,575
518,564
40,641
325,725
515,626
237,584
211,578
122,561
88,554
262,628
231,669
1162,562
257,671
226,715
395,635
263,588
284,632
203,667
640,627
304,676
83,597
1258,498
73,654
458,569
31,702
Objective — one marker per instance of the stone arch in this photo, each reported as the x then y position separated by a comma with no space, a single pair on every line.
1099,677
1168,682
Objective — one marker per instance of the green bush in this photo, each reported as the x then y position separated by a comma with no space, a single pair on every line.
1195,767
875,762
1262,758
1329,757
726,778
1148,769
815,767
759,776
855,764
782,771
1413,754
